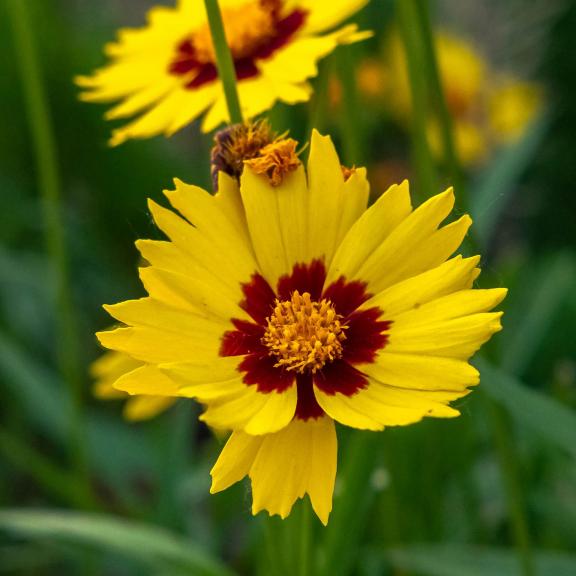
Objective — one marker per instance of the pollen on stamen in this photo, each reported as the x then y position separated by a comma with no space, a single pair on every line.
303,334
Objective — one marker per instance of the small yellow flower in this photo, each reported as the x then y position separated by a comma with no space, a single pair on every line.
111,366
165,75
486,110
286,308
513,105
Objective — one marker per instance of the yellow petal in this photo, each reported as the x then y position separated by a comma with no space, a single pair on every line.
256,95
164,116
300,459
106,370
252,411
224,230
147,380
451,276
142,99
345,411
325,14
419,372
278,241
235,460
207,381
159,342
370,231
380,405
456,305
146,407
455,338
415,245
332,204
297,61
200,249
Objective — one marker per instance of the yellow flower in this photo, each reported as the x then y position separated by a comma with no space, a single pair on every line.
111,366
513,105
165,76
285,308
485,109
462,70
469,139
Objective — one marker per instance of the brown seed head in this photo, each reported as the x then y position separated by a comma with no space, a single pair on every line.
237,143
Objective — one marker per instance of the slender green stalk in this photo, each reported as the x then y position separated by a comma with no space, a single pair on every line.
305,538
318,109
439,97
349,118
408,20
224,60
514,493
49,187
347,525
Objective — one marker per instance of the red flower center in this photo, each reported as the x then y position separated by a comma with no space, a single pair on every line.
306,334
255,31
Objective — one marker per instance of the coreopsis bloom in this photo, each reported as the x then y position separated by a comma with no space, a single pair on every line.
164,76
286,308
487,110
111,366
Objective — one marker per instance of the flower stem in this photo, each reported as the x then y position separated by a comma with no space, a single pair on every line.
515,498
49,186
351,128
224,61
305,537
408,21
438,94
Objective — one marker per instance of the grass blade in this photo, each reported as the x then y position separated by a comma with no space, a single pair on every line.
143,543
451,560
492,191
549,418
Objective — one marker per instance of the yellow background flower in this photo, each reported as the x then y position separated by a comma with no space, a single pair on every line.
111,366
486,109
165,76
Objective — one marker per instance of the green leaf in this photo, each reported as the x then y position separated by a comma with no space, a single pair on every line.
143,543
492,191
24,558
549,418
42,396
453,560
546,294
37,387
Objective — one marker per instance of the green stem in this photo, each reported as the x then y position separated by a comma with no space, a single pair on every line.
305,539
318,109
514,493
349,118
224,61
49,187
408,21
347,526
438,94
